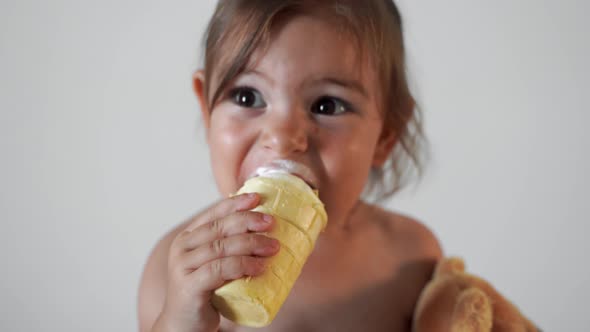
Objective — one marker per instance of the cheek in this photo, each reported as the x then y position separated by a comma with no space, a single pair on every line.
349,152
228,142
223,139
347,160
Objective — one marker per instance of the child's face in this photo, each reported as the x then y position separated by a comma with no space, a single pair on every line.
309,99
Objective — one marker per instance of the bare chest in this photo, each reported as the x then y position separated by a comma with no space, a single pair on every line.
357,287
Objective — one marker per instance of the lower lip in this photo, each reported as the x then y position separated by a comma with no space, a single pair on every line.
309,184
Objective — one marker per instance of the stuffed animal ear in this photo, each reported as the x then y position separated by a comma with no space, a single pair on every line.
472,312
450,265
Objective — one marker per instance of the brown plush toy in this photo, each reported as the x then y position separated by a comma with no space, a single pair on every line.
455,301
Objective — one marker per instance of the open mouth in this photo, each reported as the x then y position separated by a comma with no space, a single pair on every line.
307,182
289,166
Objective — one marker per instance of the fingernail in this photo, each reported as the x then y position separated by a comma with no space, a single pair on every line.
274,243
267,218
251,195
246,200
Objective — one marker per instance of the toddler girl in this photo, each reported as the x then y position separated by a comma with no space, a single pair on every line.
319,86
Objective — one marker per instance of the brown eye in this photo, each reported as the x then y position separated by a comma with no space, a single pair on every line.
330,106
247,97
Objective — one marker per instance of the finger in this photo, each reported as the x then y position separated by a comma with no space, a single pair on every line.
236,223
239,245
225,207
215,273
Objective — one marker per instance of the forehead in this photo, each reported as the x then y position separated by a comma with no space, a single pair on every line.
308,47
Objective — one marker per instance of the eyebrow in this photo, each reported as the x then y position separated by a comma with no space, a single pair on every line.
345,83
259,74
342,82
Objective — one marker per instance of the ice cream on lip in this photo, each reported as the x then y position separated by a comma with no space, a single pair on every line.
287,166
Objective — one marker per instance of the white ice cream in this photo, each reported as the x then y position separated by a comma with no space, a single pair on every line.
282,166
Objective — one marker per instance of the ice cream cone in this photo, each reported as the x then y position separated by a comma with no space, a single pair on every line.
300,217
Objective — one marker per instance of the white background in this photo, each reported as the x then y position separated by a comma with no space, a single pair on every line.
102,150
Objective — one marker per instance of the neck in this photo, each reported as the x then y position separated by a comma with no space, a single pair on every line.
343,226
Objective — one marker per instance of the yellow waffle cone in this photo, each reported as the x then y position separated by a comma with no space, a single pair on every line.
300,216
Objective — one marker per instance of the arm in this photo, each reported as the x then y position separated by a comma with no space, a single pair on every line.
152,289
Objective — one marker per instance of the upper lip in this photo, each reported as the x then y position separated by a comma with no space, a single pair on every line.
298,169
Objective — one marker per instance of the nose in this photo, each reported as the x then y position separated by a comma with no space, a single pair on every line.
286,133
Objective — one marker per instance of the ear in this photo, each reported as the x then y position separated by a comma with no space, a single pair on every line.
384,147
199,88
389,138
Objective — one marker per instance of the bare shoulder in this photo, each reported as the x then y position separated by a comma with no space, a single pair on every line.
417,240
414,250
152,288
419,236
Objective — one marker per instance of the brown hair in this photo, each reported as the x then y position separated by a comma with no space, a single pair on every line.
239,27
